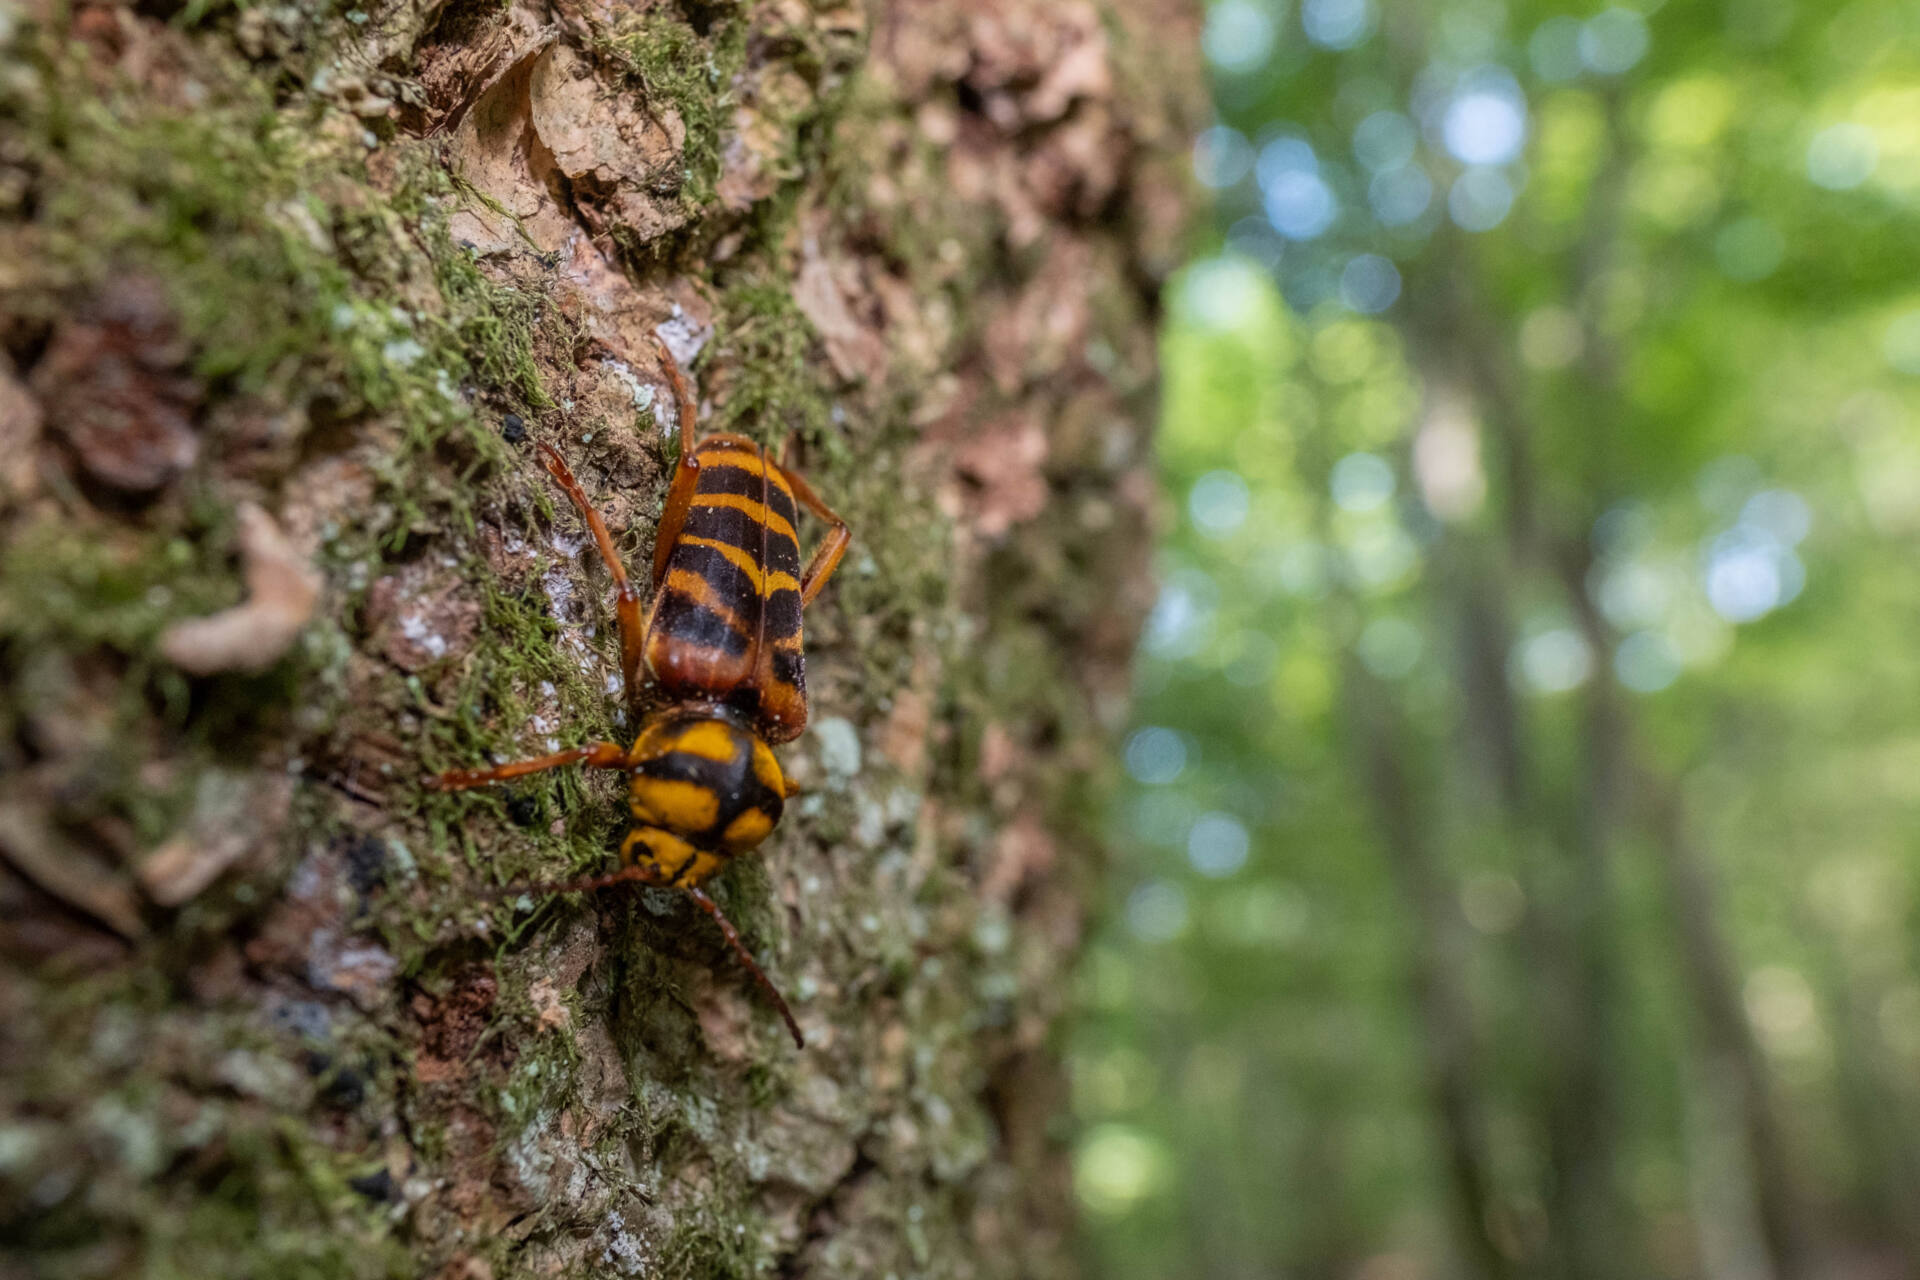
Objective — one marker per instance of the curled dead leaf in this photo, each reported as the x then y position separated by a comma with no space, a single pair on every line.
30,843
233,815
282,590
821,292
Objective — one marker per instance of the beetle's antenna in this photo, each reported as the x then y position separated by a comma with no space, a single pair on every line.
554,889
642,875
712,908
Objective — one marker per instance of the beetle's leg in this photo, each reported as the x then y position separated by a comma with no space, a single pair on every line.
826,556
712,908
640,874
601,755
686,473
626,597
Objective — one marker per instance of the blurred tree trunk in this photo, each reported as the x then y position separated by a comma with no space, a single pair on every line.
1728,1048
1438,970
286,294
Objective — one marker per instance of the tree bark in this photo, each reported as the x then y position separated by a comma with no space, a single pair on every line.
287,296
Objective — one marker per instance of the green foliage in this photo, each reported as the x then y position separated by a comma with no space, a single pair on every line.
1630,469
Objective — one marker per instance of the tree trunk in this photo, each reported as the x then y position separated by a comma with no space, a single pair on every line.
1436,965
287,295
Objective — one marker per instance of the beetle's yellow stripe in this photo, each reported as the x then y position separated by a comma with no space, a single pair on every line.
765,583
747,830
766,768
708,739
697,589
745,461
754,510
680,806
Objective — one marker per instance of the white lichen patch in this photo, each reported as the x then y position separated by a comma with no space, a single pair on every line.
418,631
837,744
643,394
559,592
624,1250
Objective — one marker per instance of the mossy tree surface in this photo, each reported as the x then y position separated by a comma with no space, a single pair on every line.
343,266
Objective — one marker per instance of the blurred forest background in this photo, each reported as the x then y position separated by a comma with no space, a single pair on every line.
1519,853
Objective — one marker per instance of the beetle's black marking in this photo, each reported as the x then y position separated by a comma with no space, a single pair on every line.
728,477
782,611
728,580
691,623
732,783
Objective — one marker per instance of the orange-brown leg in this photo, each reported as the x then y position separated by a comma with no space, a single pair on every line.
647,875
732,935
826,556
626,597
600,755
686,473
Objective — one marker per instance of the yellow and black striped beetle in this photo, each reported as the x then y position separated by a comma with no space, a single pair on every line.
722,643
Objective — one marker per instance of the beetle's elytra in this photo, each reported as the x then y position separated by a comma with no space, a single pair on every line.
722,645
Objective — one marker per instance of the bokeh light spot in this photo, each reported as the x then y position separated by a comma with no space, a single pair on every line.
1781,1007
1492,901
1554,50
1551,338
1480,199
1254,239
1160,817
1300,204
1901,345
1446,459
1221,156
1157,911
1264,915
1217,845
1390,647
1400,195
1842,157
1781,514
1116,1167
1486,123
1749,574
1634,594
1182,615
1224,294
1156,755
1380,555
1554,661
1337,24
1385,140
1646,662
1302,570
1362,482
1238,36
1218,503
1613,41
1285,154
1369,284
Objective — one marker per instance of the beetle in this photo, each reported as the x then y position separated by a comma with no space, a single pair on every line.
722,645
